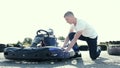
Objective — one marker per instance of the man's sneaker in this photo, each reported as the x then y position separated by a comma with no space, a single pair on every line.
99,49
76,55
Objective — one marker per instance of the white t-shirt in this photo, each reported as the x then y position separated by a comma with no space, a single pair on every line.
86,29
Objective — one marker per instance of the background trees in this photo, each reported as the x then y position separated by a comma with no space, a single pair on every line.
61,38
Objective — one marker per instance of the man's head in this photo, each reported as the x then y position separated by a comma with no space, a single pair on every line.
69,17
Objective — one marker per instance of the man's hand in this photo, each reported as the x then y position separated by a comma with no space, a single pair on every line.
63,48
66,50
74,40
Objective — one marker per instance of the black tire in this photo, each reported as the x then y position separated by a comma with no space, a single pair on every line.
83,48
59,60
113,50
2,47
103,47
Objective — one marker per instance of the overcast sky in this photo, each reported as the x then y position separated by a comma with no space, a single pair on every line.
22,18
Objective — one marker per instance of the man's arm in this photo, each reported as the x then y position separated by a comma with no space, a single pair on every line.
74,40
67,39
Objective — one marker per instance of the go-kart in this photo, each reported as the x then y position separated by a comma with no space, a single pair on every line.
43,47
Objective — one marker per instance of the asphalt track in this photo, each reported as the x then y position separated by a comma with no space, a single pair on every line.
104,61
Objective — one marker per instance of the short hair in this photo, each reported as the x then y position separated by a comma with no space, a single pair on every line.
68,13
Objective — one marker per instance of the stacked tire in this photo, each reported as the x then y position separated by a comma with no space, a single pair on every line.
83,47
2,47
113,49
103,47
86,48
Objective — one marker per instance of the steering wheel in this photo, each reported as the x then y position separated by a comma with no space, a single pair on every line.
44,31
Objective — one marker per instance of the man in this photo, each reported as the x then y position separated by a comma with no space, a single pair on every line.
83,32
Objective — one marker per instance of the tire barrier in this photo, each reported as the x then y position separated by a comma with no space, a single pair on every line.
103,47
85,47
113,49
2,47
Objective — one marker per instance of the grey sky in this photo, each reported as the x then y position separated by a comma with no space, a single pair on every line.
22,18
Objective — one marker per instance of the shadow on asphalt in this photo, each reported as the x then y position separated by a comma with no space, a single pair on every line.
74,63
